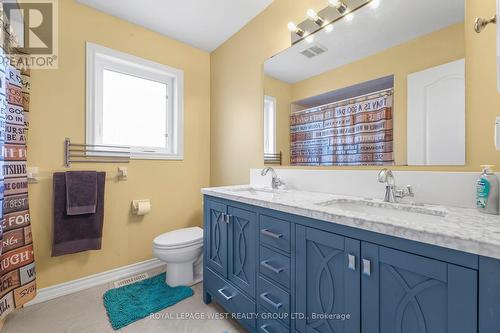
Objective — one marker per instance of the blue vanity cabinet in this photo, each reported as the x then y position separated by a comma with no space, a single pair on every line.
302,275
230,258
242,248
329,280
407,293
232,244
216,240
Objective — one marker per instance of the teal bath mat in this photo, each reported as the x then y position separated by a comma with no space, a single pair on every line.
130,303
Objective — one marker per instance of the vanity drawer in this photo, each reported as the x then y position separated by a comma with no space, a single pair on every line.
275,266
271,326
275,232
229,297
274,299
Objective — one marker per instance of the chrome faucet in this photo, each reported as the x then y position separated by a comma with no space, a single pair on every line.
276,182
392,193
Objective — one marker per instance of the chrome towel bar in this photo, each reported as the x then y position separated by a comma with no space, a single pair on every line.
92,153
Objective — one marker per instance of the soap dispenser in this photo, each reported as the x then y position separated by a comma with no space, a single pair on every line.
487,195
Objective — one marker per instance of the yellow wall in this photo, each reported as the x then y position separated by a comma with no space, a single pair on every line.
229,82
282,91
483,99
237,86
447,45
58,111
236,120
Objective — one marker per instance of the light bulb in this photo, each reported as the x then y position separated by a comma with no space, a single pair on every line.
292,27
329,28
339,5
334,3
312,14
310,39
349,17
375,4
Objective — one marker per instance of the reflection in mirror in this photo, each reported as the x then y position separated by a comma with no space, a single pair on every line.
385,87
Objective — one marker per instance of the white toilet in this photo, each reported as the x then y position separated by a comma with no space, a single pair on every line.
180,249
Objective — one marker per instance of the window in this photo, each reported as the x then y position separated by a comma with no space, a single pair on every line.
134,102
269,125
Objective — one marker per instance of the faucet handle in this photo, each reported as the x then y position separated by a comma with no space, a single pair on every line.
409,191
406,191
277,183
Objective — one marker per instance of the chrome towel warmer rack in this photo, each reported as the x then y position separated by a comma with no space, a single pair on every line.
90,153
273,159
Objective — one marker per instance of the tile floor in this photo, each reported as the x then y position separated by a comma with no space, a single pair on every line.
84,312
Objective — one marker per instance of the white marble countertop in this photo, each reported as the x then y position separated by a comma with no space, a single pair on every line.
456,228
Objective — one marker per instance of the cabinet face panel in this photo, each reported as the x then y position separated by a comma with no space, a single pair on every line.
275,266
406,293
327,286
216,228
242,249
275,232
230,298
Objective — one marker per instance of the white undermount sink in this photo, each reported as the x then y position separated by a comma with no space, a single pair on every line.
385,209
257,191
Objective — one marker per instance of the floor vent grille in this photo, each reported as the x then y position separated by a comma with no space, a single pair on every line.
130,280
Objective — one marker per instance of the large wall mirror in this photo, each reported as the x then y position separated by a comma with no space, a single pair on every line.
384,85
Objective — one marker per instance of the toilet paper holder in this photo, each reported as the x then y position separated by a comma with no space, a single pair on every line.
141,207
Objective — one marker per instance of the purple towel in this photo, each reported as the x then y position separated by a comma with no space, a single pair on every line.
81,192
76,233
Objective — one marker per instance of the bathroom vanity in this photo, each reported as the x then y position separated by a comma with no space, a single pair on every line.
294,261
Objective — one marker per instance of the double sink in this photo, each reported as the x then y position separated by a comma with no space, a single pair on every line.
355,205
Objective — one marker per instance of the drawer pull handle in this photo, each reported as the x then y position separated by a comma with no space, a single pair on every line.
266,232
266,264
264,329
226,297
367,267
351,262
266,299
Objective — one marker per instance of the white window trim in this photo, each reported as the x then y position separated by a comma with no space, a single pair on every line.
273,100
99,58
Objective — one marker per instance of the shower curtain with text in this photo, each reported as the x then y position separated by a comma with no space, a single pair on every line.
355,131
17,264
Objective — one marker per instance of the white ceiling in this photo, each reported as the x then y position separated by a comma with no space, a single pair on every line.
371,31
200,23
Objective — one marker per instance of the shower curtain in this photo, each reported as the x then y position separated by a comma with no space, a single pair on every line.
17,264
355,131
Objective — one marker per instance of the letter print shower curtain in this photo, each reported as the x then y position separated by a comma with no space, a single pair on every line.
17,265
355,131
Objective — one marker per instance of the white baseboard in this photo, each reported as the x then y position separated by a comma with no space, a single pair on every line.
74,286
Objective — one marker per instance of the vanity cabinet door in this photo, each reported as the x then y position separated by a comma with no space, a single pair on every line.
327,271
406,293
242,249
216,236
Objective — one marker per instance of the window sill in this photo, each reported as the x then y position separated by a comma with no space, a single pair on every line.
166,157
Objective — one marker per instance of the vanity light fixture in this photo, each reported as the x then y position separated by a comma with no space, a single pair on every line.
295,29
311,13
323,20
339,5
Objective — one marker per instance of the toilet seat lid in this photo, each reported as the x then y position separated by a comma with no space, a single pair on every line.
176,238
